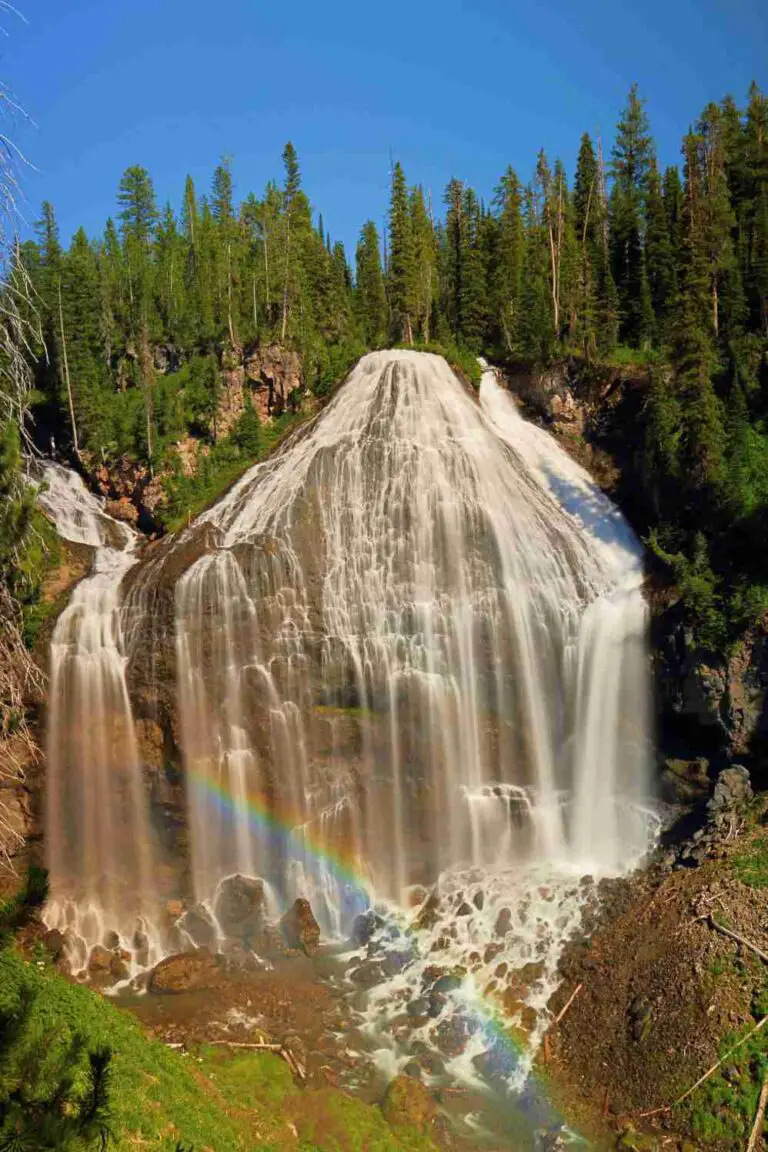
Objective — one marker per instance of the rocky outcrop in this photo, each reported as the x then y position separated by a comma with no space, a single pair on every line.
132,493
720,700
264,377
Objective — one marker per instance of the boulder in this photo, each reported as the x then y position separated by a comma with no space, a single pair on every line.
119,966
732,791
186,972
200,927
99,961
408,1103
55,943
364,928
299,927
239,906
368,974
503,922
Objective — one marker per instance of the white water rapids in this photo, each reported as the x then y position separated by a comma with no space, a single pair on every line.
411,644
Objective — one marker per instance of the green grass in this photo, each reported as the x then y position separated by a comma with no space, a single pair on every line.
217,1100
462,360
225,463
750,864
625,357
723,1108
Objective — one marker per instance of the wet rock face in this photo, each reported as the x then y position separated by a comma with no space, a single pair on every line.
239,906
300,929
200,927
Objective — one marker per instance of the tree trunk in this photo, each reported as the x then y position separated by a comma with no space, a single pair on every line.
65,364
285,283
229,295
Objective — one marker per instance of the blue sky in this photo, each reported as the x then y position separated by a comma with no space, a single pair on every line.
460,87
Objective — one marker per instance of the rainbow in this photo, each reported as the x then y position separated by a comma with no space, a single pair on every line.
288,836
504,1050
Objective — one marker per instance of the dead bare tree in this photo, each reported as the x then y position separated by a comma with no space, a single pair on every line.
20,679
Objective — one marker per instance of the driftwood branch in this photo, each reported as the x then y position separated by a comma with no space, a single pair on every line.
568,1003
757,1127
295,1065
739,939
710,1072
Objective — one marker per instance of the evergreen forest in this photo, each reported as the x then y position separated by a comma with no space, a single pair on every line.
661,275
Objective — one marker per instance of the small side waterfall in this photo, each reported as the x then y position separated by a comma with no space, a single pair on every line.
98,838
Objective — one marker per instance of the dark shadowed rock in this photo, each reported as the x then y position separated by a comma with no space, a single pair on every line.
364,927
299,927
54,942
732,791
503,922
200,927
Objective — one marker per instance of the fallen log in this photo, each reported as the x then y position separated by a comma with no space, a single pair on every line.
264,1046
757,1127
567,1005
739,939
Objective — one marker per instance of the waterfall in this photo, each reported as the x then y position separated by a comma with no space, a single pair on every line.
97,831
415,641
411,643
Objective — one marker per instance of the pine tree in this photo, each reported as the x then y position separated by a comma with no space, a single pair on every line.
138,216
425,261
537,335
506,274
455,237
222,191
658,249
756,147
47,281
169,280
402,260
719,222
596,307
370,295
189,211
292,182
702,441
473,312
630,161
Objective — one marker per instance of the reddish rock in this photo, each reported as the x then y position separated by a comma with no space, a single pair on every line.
299,927
99,961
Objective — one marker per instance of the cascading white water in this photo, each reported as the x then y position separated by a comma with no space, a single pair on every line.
419,642
97,829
